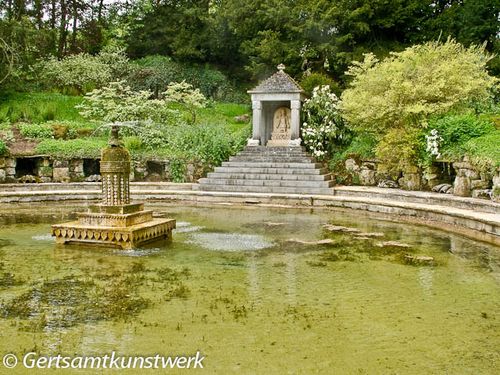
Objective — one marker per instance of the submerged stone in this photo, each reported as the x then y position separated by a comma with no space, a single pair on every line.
339,228
326,241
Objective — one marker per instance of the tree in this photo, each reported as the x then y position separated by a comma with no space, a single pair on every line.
393,99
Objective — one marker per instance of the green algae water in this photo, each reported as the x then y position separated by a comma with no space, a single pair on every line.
254,292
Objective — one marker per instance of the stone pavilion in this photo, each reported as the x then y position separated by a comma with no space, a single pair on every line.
276,104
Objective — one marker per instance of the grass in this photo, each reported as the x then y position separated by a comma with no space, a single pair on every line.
39,107
224,114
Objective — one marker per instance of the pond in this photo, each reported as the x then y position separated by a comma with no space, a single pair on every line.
255,292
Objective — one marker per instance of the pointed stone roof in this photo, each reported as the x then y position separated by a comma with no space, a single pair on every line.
279,82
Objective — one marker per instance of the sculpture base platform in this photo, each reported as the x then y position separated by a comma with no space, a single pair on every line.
122,237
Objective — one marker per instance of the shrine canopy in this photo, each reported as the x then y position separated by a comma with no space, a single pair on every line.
276,105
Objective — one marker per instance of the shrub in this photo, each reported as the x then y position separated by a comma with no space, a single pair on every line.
155,73
323,126
400,93
309,82
484,151
183,93
118,102
74,148
456,129
36,131
81,73
3,147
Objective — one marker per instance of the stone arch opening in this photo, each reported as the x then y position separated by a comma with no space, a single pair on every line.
91,167
27,166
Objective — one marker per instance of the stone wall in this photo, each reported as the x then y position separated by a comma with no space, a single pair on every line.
72,170
468,182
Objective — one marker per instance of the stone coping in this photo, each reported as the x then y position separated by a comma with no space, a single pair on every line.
477,219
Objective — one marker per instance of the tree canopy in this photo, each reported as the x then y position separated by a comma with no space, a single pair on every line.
246,39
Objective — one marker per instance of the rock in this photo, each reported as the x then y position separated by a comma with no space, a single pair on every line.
370,234
29,179
479,184
242,119
3,175
2,162
450,191
410,181
388,184
93,178
418,260
437,188
271,224
326,241
482,193
442,188
339,228
61,174
367,176
393,244
61,164
351,165
461,186
10,163
10,171
253,142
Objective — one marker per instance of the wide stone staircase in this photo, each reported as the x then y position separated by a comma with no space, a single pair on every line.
260,169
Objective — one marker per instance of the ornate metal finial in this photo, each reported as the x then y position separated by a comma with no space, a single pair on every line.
281,67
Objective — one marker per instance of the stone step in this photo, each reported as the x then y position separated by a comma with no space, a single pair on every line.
262,149
255,169
265,189
271,176
271,165
418,197
271,159
273,183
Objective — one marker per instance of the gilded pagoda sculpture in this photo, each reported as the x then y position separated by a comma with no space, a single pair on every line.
115,222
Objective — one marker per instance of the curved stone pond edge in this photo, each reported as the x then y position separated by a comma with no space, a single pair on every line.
474,218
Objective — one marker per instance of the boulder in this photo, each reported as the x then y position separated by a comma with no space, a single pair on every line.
481,193
461,186
388,184
367,176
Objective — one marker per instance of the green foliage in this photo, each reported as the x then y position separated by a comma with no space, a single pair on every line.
457,129
82,73
312,80
407,87
74,148
39,107
400,149
36,131
118,102
323,127
133,143
393,99
177,169
155,73
484,151
3,147
184,94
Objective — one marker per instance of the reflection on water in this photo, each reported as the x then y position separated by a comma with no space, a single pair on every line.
234,286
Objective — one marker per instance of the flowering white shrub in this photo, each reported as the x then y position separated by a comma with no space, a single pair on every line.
433,142
322,124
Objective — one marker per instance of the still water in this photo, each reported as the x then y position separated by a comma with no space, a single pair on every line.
253,291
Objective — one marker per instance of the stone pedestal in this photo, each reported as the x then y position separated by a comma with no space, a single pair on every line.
115,222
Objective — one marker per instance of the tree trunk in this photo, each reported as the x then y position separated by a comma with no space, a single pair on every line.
75,26
63,30
53,14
